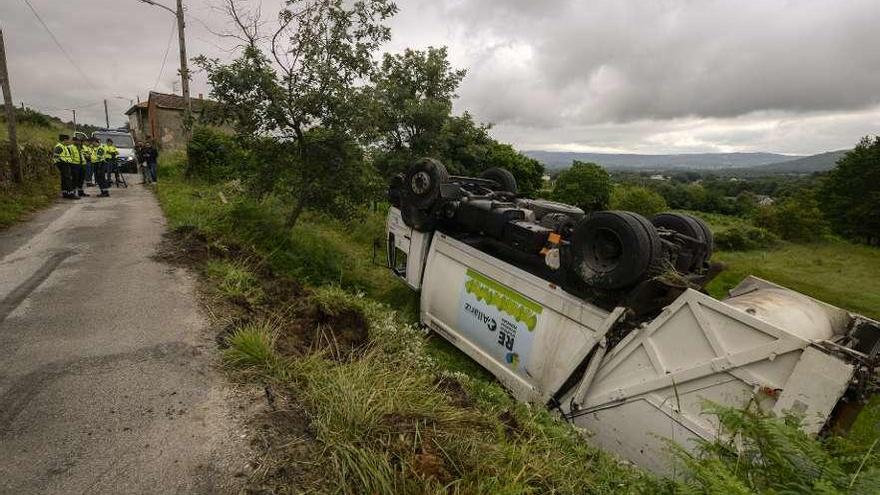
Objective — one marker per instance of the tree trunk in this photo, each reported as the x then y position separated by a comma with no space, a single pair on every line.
294,214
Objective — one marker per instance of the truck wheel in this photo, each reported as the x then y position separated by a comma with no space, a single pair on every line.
503,177
543,207
615,249
422,182
692,227
418,219
707,235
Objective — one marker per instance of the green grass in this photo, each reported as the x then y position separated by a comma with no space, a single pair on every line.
385,423
837,272
235,280
17,201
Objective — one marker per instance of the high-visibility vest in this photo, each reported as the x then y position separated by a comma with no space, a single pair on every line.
97,154
75,155
60,153
110,152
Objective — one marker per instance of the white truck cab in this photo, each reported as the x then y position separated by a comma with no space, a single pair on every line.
632,380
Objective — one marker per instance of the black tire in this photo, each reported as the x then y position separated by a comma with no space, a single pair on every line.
418,219
707,235
422,182
688,260
692,227
503,177
543,207
615,249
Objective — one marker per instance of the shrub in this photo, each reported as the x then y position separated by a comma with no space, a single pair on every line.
637,199
213,155
744,237
761,453
796,218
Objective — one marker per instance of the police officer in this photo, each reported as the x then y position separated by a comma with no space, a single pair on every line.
100,166
63,161
78,166
110,155
89,155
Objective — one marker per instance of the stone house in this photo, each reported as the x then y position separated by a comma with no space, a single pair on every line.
161,118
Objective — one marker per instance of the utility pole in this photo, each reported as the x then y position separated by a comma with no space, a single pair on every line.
74,118
106,114
184,70
9,106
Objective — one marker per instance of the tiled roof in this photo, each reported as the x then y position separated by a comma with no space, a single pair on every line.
164,100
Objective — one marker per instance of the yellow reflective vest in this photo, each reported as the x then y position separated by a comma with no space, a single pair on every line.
75,155
110,151
60,153
97,154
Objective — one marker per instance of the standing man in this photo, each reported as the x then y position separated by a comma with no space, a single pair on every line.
88,154
110,154
61,155
100,167
151,155
79,166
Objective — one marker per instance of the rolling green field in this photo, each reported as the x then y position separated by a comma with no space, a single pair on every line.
834,271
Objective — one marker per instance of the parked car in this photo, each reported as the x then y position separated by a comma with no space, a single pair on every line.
124,143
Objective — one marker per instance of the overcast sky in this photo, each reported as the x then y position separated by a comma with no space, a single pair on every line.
664,76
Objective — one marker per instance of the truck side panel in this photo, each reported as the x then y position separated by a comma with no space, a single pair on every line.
532,338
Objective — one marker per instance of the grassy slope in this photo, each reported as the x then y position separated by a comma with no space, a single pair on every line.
16,202
837,272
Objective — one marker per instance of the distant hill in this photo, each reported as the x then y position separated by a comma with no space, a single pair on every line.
701,161
806,165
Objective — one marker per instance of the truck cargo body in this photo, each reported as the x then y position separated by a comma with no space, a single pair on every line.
633,388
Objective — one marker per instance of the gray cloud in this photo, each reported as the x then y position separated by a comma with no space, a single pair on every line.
624,75
623,61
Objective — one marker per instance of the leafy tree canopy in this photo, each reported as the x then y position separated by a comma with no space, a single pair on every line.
585,185
850,195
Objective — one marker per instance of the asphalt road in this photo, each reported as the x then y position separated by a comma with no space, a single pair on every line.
108,381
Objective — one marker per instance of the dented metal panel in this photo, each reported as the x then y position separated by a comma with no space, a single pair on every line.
654,384
463,298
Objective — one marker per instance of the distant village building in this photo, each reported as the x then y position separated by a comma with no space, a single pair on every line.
659,177
764,200
161,119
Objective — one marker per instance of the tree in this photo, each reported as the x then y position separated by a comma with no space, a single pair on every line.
795,218
413,100
304,84
413,104
585,185
637,199
850,194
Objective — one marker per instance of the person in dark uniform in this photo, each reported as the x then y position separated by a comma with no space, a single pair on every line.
100,165
151,156
63,161
78,166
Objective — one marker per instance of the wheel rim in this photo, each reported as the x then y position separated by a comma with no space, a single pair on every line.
420,183
606,249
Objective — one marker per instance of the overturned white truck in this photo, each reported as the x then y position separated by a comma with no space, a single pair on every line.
602,317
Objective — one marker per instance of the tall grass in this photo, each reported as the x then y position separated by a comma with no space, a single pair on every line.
388,424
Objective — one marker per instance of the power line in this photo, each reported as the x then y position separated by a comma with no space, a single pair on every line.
59,45
165,57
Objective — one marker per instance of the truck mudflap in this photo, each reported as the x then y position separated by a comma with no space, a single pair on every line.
653,385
